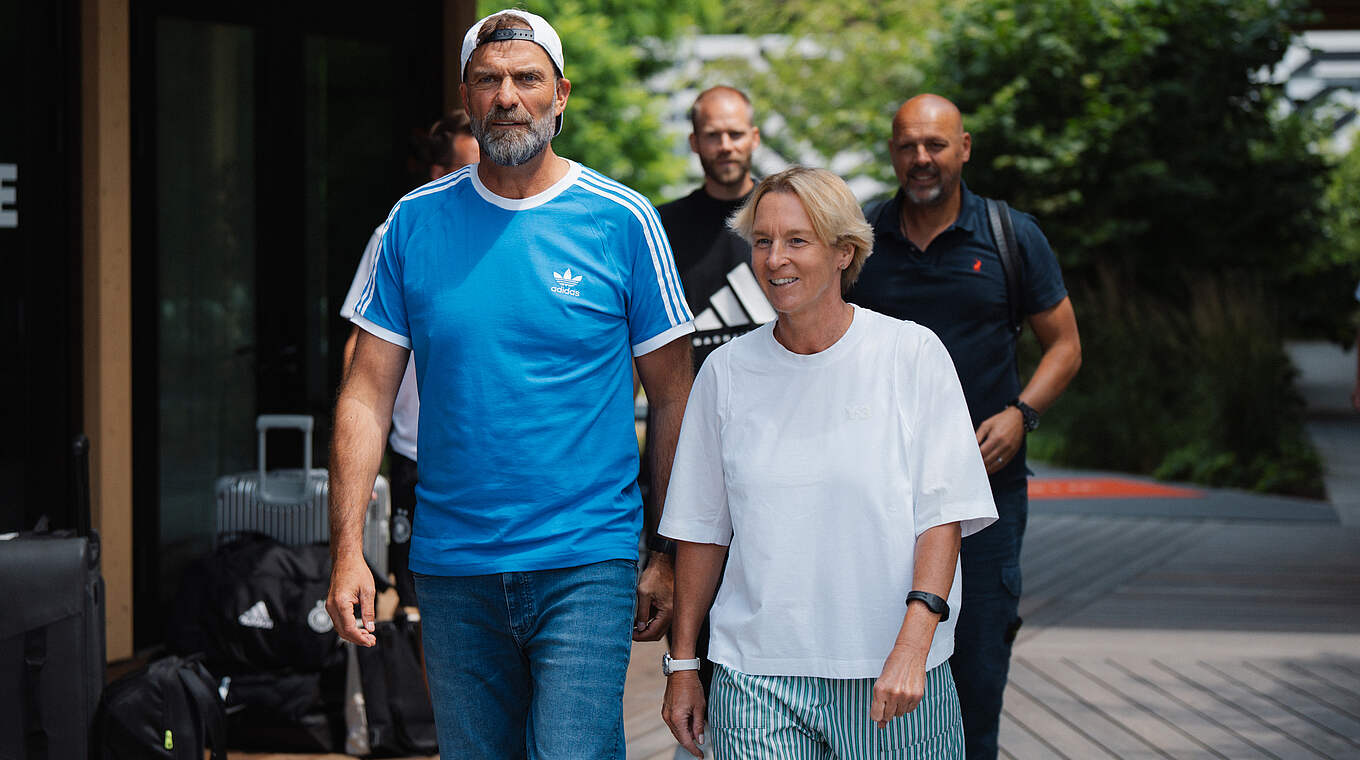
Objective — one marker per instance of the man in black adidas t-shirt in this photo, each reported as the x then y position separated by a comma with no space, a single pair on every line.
714,263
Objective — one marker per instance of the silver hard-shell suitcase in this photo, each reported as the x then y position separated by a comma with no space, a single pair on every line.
292,505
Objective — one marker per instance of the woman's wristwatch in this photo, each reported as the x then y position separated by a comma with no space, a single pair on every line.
671,665
932,602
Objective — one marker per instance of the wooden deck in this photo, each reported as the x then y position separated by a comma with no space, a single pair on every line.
1216,635
1171,638
1224,627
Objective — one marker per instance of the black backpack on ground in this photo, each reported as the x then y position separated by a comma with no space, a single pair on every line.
168,709
255,605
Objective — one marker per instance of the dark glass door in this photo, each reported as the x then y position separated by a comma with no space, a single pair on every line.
268,143
205,241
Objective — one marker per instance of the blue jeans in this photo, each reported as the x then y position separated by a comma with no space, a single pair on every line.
531,664
989,618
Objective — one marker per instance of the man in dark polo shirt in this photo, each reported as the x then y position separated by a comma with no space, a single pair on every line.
714,263
936,264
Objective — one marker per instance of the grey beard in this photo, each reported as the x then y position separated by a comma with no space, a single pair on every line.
512,147
930,198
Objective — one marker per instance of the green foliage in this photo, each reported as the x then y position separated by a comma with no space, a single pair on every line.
1186,210
1326,278
1200,391
1343,213
840,73
1139,132
612,123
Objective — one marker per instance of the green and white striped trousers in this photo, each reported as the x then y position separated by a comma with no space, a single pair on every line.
807,718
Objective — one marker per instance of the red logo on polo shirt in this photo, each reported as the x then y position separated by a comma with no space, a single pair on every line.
977,265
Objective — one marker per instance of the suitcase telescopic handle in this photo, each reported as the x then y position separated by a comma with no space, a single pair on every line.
301,422
80,478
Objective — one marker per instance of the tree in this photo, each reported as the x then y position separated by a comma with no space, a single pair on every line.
1141,132
1185,206
832,78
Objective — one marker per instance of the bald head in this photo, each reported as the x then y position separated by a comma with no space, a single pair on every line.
928,149
929,108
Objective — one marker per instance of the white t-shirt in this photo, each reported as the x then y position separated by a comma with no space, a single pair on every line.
820,471
406,410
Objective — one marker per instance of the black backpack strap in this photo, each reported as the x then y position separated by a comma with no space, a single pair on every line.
208,710
1012,267
35,657
875,210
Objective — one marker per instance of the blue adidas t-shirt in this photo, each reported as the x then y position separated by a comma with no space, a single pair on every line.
523,315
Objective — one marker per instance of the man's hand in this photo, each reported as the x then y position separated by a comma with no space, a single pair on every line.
655,598
362,414
685,710
351,584
999,438
900,687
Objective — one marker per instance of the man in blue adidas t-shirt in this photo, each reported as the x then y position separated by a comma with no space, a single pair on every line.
526,286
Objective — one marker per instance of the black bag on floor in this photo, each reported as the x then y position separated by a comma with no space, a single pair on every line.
286,711
168,709
52,633
255,605
398,713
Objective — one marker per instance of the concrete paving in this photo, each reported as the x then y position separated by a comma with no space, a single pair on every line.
1326,378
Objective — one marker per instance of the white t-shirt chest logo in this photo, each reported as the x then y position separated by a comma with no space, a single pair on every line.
858,412
566,283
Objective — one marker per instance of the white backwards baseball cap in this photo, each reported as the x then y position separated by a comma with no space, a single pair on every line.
540,32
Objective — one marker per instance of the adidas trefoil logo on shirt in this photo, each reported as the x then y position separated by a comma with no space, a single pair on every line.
566,283
257,617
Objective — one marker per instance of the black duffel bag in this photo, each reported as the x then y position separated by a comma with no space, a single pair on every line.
398,715
286,711
256,605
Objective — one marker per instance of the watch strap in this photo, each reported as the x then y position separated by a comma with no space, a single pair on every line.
661,544
671,665
1029,413
933,602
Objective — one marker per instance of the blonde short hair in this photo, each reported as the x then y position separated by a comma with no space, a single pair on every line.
832,208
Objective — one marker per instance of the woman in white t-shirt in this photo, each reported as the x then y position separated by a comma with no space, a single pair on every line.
829,456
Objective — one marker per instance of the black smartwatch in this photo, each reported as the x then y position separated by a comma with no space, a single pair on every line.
932,602
1031,416
660,544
